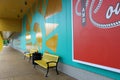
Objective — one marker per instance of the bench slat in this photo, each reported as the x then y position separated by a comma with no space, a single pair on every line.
43,63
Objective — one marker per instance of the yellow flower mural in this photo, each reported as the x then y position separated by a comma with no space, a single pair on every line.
46,9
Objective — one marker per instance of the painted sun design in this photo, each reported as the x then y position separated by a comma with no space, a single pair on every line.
45,26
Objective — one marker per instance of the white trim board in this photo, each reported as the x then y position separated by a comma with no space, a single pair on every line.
80,74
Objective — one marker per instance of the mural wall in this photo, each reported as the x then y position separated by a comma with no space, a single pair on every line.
48,27
15,41
38,31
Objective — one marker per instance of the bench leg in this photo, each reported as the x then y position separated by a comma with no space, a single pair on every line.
47,72
57,71
24,57
34,65
29,58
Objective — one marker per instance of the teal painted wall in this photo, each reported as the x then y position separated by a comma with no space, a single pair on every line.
64,31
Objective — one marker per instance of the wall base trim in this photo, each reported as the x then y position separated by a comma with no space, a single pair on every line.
80,74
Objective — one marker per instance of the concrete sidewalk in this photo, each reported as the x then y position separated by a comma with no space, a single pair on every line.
14,67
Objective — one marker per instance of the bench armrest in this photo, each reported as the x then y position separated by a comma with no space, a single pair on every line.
48,64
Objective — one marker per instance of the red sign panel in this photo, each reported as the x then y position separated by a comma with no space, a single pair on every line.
96,33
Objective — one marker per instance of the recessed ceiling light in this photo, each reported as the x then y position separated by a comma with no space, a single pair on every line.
21,10
25,2
18,15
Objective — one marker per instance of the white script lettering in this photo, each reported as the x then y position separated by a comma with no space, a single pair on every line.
111,10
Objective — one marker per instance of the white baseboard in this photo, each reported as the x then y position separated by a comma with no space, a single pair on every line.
80,74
